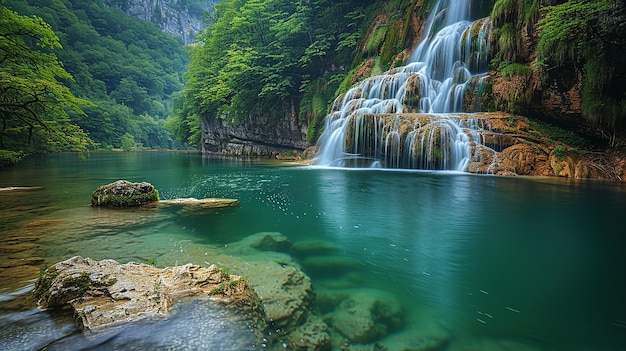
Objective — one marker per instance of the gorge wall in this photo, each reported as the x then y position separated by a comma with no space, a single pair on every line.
262,133
181,19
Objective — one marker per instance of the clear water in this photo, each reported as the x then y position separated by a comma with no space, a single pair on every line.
530,260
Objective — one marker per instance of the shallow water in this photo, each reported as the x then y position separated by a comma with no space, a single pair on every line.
535,261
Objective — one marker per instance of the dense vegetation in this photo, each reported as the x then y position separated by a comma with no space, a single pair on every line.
262,54
128,69
575,36
34,104
591,34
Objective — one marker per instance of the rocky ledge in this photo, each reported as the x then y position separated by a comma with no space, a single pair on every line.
102,293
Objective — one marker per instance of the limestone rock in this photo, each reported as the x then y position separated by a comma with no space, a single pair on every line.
191,206
334,265
106,292
367,315
285,291
268,241
312,247
202,203
123,193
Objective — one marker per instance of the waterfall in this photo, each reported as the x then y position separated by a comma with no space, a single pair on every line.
369,126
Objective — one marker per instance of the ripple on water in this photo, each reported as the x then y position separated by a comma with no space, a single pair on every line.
191,325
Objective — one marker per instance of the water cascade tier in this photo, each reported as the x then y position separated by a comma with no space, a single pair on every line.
451,58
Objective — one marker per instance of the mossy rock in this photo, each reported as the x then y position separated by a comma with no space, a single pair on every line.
123,193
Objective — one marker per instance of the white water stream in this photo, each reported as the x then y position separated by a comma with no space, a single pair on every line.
452,53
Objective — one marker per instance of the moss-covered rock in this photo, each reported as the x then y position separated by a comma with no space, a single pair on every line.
123,193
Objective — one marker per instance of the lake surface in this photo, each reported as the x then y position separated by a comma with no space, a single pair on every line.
538,262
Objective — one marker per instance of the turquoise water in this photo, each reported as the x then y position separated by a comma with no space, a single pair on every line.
536,261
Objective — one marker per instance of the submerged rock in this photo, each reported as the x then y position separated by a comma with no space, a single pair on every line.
362,315
312,247
285,291
106,292
124,194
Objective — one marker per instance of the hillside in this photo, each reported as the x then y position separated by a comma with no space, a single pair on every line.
127,68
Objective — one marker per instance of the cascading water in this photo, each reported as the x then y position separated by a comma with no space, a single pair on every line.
369,125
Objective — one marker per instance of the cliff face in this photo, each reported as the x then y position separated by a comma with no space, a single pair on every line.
182,19
262,133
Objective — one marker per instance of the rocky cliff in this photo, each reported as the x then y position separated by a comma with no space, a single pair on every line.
263,133
180,18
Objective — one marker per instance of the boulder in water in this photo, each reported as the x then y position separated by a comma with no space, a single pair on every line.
366,315
123,193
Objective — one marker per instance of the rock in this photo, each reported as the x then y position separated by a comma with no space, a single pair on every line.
201,203
260,133
494,344
312,247
21,188
367,315
192,206
269,242
335,265
285,291
124,194
103,293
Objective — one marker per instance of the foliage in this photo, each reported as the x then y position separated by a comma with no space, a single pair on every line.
8,158
591,34
34,105
128,68
261,54
560,152
514,69
557,134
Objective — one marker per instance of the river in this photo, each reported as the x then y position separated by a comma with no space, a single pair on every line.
535,261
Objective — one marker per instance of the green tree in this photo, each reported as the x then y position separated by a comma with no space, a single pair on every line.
34,104
127,142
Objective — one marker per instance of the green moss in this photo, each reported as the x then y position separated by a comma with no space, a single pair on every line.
514,69
218,290
44,283
376,39
557,134
557,167
560,152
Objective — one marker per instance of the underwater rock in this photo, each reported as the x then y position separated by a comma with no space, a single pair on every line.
334,265
103,293
124,194
285,291
268,241
312,247
367,315
494,344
